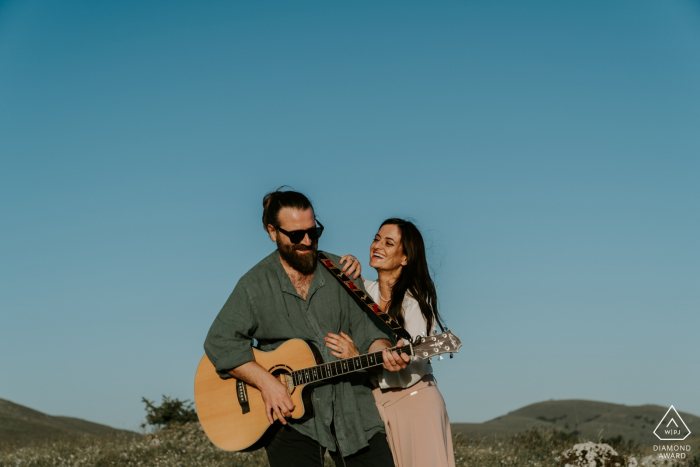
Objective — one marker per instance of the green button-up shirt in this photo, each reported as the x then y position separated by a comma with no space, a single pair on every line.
266,307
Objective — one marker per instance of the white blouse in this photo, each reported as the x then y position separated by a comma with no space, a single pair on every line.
415,324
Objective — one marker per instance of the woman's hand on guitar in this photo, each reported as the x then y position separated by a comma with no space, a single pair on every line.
277,400
351,265
341,345
393,361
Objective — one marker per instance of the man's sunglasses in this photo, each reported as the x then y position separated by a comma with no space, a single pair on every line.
298,235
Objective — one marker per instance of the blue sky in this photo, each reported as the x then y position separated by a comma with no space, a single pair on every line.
547,150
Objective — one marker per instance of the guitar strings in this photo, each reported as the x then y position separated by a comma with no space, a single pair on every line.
340,367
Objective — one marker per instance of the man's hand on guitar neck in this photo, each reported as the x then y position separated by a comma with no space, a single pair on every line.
273,392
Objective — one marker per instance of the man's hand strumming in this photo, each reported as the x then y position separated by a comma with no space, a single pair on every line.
277,400
273,392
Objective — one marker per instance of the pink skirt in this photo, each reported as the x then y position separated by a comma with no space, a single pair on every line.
417,425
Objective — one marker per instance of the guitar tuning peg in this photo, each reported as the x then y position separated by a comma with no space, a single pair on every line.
451,356
440,357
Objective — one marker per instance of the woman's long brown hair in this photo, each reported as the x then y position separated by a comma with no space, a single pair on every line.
415,276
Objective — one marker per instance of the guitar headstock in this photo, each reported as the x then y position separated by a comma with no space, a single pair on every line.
430,346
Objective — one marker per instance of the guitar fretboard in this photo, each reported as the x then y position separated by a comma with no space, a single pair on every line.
341,367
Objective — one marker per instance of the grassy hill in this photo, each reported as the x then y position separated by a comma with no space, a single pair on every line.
20,425
590,419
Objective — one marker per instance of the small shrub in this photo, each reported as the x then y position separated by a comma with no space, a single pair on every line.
170,412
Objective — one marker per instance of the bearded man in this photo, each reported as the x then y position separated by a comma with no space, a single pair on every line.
286,296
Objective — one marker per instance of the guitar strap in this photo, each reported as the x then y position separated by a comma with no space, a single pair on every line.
363,297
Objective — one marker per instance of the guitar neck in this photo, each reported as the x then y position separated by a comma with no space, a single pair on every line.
342,367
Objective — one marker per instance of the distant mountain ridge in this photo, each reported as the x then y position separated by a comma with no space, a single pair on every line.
591,419
21,425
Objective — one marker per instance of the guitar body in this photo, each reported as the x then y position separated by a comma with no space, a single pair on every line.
217,400
232,413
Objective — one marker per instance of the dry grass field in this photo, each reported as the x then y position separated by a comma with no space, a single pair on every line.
536,435
188,446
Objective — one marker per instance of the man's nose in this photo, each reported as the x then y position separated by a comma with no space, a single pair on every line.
306,240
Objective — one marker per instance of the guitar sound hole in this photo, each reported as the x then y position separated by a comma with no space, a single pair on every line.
283,375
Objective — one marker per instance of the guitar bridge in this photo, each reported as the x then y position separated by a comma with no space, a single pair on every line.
242,393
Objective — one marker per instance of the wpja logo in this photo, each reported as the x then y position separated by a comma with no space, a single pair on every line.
672,427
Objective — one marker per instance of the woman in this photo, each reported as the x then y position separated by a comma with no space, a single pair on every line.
417,425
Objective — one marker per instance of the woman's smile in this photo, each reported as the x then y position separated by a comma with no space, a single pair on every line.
386,252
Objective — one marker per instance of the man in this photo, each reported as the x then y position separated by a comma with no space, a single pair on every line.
286,296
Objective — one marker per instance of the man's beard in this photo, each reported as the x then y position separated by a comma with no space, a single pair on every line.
304,263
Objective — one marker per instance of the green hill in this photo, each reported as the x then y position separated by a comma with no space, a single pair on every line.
20,425
591,419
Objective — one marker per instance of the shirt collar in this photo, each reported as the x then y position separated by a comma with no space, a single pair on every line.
286,285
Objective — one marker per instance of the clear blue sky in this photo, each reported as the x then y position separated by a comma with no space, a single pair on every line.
549,151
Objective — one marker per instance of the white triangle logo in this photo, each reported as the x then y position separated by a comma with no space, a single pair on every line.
672,427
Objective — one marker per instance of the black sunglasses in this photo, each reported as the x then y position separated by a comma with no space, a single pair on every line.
298,235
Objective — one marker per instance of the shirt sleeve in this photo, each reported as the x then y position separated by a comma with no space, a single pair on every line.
230,339
365,330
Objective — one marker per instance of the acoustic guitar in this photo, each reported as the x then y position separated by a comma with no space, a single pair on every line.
232,412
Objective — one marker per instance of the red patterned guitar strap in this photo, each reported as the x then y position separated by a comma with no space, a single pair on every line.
363,297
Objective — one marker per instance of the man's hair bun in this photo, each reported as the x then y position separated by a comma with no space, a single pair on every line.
274,201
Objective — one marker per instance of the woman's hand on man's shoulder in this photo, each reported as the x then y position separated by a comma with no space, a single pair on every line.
352,265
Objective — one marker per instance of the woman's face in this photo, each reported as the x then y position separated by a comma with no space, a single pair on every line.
386,253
